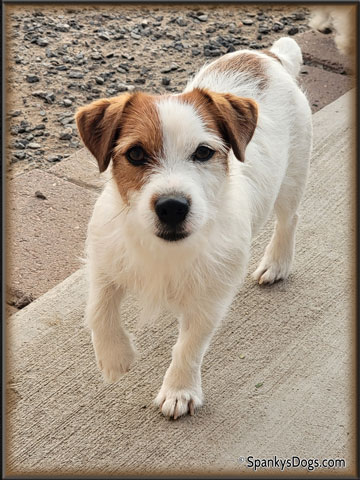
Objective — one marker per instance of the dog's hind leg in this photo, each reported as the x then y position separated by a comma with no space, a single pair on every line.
279,254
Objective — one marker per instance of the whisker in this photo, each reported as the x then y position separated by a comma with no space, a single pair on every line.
121,211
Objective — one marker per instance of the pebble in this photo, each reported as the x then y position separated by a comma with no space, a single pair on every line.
49,97
54,158
277,26
293,31
20,144
40,195
67,102
247,22
66,134
99,80
75,74
42,42
104,36
180,21
32,78
171,68
34,145
202,18
165,81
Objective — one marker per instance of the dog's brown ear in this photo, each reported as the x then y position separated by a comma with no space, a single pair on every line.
99,126
236,118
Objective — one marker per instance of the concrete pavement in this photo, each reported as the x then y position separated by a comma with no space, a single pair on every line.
295,338
46,236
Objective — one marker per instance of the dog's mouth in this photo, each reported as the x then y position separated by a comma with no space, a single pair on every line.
172,236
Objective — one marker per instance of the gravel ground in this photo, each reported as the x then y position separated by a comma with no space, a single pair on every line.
59,58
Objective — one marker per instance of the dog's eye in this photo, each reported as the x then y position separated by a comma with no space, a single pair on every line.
203,153
136,156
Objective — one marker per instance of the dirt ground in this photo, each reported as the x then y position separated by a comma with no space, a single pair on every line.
61,57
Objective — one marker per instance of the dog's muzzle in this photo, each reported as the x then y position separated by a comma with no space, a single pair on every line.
172,212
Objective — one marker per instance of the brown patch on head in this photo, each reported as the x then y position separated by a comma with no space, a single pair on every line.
249,63
140,127
110,127
271,54
232,118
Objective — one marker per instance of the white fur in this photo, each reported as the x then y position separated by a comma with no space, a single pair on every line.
197,278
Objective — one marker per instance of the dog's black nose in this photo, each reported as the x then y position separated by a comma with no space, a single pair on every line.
172,210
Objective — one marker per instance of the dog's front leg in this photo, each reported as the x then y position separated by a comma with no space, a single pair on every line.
113,347
181,389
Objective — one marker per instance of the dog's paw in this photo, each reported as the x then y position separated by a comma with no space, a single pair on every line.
175,403
269,271
114,356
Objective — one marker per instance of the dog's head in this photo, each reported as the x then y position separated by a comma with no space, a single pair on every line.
169,153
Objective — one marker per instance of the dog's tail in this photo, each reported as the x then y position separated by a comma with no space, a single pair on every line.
289,54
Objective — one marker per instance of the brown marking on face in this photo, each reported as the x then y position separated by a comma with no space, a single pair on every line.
271,54
201,104
246,62
232,118
110,127
140,127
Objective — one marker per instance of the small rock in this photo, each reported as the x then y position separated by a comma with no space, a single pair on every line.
66,134
230,49
202,18
67,102
62,27
38,194
277,26
75,74
49,97
34,145
32,78
135,36
96,56
247,22
171,68
16,113
104,36
264,29
54,158
181,22
293,31
165,81
20,155
42,42
298,16
121,87
195,52
99,80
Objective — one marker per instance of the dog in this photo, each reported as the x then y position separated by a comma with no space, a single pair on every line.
341,18
194,177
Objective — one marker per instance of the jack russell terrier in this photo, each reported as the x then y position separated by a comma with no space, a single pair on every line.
194,178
